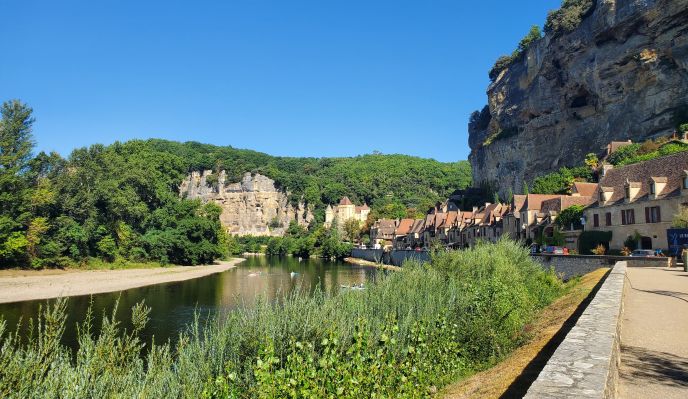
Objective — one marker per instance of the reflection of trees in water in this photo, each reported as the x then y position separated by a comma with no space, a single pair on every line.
173,304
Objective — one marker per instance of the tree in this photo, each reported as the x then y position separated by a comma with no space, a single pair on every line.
681,219
571,216
352,230
533,35
16,144
591,160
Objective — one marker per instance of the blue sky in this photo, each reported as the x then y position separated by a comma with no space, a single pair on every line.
300,78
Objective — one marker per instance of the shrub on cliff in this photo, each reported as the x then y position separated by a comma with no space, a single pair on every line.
568,17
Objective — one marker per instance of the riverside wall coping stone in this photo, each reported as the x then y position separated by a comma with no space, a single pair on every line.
585,365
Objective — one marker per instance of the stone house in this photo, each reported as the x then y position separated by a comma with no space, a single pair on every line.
344,211
402,234
640,200
512,219
531,215
382,232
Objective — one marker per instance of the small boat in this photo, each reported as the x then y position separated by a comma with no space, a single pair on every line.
255,274
293,274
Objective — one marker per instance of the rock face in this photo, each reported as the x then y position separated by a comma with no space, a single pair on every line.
252,206
622,74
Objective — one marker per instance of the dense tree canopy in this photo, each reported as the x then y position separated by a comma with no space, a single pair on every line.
121,202
375,179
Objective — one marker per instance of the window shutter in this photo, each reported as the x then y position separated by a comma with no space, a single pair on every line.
623,217
659,214
648,218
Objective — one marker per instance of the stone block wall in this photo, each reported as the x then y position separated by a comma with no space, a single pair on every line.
585,365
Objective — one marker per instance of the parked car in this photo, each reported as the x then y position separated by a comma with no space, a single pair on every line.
554,250
643,253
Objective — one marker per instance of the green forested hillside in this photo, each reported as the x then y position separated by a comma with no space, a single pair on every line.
120,202
376,179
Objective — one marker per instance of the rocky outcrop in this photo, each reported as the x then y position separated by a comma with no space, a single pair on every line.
252,206
622,74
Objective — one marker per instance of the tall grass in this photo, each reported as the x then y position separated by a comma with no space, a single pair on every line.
409,333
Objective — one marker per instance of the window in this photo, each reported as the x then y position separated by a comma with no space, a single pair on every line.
596,220
652,187
601,196
627,191
685,182
652,214
627,216
608,218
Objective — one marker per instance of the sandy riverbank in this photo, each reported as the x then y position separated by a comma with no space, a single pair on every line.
28,285
363,262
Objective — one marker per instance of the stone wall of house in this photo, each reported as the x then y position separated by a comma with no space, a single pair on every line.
251,206
585,365
654,231
622,74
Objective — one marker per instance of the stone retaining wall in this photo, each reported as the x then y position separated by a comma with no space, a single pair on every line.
395,257
585,365
568,266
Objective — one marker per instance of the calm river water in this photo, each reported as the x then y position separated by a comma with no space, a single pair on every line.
173,304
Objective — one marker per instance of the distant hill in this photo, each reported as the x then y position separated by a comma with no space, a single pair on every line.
376,179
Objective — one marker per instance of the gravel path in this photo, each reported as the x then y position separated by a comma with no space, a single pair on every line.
18,286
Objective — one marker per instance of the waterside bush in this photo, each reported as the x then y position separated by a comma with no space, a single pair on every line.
405,335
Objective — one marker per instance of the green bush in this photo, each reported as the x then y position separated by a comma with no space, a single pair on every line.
571,216
589,240
560,182
683,128
406,333
568,17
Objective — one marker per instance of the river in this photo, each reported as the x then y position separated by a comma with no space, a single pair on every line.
173,305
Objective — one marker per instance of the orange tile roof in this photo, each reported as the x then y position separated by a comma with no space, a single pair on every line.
345,201
405,226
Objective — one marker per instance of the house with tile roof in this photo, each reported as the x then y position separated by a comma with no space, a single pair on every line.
512,219
344,211
382,232
640,199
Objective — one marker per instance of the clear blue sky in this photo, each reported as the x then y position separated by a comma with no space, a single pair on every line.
301,78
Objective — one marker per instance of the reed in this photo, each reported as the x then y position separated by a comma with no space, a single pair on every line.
403,336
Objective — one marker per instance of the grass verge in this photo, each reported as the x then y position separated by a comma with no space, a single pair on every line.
512,377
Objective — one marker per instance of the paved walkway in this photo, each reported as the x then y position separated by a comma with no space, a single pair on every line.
654,334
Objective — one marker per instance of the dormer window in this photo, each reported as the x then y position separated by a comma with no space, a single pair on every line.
685,180
657,185
631,190
652,188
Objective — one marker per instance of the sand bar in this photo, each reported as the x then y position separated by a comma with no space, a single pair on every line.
25,285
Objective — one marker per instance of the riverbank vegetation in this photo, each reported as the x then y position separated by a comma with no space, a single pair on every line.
406,335
120,203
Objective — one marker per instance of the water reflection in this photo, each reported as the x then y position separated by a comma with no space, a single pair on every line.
173,304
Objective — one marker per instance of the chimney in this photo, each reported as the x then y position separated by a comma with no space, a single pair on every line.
605,168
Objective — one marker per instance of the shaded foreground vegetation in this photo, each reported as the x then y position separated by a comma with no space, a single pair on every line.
404,336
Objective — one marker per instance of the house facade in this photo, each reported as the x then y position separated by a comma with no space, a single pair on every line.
640,201
344,211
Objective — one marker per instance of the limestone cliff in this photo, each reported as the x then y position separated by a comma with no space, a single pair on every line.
621,74
252,206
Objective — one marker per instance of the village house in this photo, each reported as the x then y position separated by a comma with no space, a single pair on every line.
551,209
402,234
382,232
344,211
512,219
640,200
532,216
